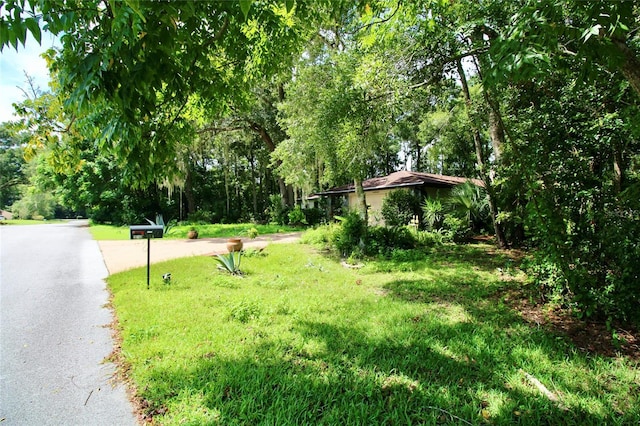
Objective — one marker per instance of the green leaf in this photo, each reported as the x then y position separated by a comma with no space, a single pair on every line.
289,4
135,6
245,5
34,27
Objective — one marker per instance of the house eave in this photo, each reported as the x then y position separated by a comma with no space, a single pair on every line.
374,188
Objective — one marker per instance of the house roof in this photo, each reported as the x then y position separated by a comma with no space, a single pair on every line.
404,179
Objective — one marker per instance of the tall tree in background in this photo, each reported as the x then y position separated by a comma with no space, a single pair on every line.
337,114
12,164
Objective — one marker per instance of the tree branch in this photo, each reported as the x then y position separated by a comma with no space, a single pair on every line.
216,130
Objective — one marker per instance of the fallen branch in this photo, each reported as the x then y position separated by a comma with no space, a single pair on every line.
543,389
453,416
535,382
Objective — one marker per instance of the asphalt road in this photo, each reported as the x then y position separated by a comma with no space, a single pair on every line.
54,333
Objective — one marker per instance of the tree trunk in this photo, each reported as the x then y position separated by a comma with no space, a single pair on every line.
502,242
286,192
361,199
254,191
496,129
226,189
188,193
618,170
630,67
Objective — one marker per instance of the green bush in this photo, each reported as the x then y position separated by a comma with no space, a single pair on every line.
456,228
320,236
547,277
406,255
471,203
314,216
381,240
399,207
296,217
433,213
278,212
433,238
350,235
591,255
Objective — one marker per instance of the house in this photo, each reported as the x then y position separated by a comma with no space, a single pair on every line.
376,189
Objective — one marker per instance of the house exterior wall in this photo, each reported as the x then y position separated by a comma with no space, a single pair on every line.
374,202
375,199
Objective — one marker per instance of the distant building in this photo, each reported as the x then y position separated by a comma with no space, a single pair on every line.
376,189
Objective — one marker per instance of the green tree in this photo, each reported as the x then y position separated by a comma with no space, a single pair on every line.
338,113
143,62
12,164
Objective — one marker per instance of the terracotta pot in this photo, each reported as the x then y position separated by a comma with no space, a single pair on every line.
192,235
234,244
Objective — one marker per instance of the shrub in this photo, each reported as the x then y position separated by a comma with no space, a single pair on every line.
314,215
350,235
245,311
456,229
320,236
433,238
252,233
297,217
399,207
404,255
278,212
381,240
471,203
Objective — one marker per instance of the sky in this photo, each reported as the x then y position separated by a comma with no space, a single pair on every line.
12,68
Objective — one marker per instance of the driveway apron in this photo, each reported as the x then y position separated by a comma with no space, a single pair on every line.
54,330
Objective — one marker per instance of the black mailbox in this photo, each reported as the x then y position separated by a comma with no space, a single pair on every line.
145,231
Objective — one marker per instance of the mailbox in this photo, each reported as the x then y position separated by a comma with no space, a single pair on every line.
145,231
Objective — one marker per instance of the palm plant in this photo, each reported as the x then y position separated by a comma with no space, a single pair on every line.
471,202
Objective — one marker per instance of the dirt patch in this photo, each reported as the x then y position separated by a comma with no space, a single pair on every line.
587,335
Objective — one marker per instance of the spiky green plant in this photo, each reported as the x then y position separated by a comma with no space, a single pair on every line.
433,212
230,262
471,203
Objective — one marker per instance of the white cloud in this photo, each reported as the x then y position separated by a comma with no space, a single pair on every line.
14,64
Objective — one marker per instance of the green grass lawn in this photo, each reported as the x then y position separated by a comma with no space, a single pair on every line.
32,221
109,232
425,338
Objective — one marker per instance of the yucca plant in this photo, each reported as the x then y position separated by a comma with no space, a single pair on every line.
230,262
433,213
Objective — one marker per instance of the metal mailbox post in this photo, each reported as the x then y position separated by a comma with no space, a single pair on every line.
137,232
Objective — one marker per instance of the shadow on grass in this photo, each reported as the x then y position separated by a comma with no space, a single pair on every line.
359,380
448,352
474,257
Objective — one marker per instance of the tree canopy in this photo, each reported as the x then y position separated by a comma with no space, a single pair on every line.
234,101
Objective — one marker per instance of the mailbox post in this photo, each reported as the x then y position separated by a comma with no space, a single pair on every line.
147,232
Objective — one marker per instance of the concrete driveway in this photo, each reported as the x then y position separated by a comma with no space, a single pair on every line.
127,254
